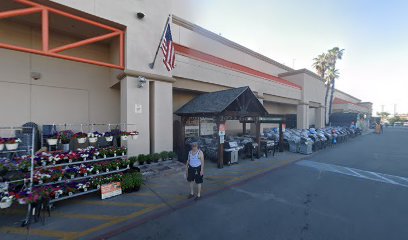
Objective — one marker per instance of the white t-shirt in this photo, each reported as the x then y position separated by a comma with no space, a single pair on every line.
194,158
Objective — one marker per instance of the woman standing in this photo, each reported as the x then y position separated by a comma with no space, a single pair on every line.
195,170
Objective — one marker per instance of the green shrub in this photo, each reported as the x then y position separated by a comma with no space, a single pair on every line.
155,157
132,160
172,155
149,158
131,181
164,155
141,159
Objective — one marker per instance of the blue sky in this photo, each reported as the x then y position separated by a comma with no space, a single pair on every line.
374,35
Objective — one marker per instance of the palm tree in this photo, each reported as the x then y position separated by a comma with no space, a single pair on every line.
325,65
321,64
332,74
334,55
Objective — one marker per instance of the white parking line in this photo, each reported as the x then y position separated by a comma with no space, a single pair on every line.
379,177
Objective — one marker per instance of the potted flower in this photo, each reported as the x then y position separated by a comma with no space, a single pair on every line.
12,143
121,151
52,140
70,190
6,201
134,134
131,181
80,137
124,136
71,172
96,168
109,136
93,137
2,142
65,137
103,152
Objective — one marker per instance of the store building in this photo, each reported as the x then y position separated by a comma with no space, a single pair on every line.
88,62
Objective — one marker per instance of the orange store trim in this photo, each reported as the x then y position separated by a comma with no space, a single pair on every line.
342,101
204,57
45,51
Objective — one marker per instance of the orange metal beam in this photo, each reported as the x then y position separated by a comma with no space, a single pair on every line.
35,7
45,30
84,42
81,19
77,59
122,50
15,13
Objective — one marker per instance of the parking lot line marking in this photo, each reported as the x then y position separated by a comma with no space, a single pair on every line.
116,221
85,216
369,175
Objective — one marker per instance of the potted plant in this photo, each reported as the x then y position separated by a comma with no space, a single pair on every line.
155,157
141,159
52,140
2,142
97,168
172,155
133,161
6,201
149,158
131,181
109,136
134,134
80,137
65,137
164,155
93,137
124,136
12,143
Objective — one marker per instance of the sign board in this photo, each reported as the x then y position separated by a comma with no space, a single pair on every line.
222,127
221,138
138,108
192,127
221,133
111,190
207,127
283,127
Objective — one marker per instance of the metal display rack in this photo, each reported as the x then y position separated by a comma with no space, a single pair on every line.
10,154
31,151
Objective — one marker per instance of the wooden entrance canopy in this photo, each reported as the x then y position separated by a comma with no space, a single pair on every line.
232,104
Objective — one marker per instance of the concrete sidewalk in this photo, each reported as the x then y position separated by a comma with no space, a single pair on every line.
89,217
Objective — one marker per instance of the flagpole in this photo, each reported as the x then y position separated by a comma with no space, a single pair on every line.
151,65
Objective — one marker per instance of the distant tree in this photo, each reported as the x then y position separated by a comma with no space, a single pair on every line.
383,115
395,119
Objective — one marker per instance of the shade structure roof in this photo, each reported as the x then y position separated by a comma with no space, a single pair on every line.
235,102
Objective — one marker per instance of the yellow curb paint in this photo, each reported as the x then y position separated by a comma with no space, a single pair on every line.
39,232
85,216
117,204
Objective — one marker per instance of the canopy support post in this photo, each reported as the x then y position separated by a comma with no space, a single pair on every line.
258,136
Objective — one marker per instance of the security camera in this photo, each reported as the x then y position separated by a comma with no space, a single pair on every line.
140,15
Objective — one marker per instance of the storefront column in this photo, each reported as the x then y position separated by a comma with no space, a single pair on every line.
161,116
302,115
319,119
134,109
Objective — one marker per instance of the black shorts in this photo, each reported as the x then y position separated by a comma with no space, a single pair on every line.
194,174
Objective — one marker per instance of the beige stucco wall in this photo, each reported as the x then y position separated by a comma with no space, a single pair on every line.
346,97
201,71
68,92
279,108
197,41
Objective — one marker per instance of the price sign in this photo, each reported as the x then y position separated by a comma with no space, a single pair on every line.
111,190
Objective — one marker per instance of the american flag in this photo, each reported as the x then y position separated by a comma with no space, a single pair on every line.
168,50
